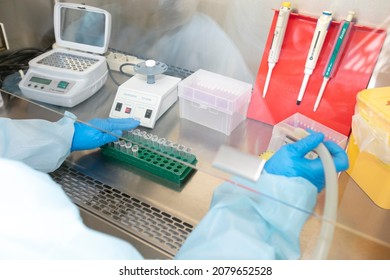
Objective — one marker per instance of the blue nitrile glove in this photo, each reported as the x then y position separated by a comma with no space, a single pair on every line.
290,160
88,137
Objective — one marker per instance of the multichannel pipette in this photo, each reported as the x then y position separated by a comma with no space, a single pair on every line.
335,55
277,41
315,49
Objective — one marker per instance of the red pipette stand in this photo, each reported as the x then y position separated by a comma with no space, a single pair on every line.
338,102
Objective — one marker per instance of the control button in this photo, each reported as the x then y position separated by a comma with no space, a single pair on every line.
29,85
148,114
127,110
63,84
118,106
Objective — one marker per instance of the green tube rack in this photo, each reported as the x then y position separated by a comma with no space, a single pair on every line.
156,163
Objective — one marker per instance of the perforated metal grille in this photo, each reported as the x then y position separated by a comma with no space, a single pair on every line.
129,213
68,61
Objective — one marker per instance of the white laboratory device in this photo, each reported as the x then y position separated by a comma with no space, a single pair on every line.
75,70
147,95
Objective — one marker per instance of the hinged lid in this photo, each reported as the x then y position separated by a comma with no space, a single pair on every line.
82,27
374,105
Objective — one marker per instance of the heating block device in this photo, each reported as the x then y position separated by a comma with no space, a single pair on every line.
75,69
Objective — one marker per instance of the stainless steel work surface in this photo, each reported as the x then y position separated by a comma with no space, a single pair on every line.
156,215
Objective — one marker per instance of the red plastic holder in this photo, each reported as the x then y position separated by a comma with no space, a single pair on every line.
338,101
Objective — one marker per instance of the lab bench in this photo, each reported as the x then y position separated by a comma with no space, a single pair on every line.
157,215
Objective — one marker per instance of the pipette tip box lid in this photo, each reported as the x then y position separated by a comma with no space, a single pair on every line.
214,100
369,145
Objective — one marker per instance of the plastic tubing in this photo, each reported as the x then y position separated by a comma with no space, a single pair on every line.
324,242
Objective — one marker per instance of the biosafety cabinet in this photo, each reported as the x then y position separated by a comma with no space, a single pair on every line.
154,195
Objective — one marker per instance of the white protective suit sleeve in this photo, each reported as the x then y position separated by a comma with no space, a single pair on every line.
246,225
41,144
39,221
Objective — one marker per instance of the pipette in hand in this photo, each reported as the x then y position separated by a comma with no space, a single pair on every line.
335,55
277,41
315,49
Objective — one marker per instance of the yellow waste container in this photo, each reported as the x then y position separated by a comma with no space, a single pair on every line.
369,145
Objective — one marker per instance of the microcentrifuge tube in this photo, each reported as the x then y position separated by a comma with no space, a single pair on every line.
174,149
128,134
136,135
134,150
128,147
116,144
161,143
188,153
181,150
155,141
148,139
168,146
141,139
122,146
143,133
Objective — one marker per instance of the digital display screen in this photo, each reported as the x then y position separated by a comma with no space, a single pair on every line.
83,27
40,80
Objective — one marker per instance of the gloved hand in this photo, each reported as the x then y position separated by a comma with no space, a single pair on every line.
89,137
290,160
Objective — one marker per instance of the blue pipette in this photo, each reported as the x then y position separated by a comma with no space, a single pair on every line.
337,51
